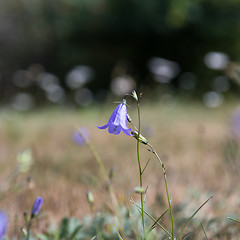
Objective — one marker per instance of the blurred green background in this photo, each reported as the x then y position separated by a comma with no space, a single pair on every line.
76,52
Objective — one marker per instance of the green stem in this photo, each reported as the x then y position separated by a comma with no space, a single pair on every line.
140,170
166,185
169,202
28,229
103,172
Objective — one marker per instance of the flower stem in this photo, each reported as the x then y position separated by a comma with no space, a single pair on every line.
140,170
28,229
166,185
103,172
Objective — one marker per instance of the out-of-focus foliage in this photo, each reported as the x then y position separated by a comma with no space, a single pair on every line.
101,226
115,38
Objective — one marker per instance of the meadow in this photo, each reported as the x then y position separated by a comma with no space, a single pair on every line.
195,143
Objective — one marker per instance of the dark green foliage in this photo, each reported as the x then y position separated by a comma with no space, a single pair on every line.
62,34
64,228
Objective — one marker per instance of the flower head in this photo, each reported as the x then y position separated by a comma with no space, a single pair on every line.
235,123
80,136
3,224
118,120
36,206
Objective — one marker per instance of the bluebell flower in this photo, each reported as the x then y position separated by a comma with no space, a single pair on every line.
235,123
3,224
118,120
78,138
36,206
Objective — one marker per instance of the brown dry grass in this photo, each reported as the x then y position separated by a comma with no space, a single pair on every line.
188,137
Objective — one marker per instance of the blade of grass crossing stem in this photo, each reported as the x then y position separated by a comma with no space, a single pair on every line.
163,228
155,222
145,166
235,220
75,232
203,231
119,236
189,220
186,235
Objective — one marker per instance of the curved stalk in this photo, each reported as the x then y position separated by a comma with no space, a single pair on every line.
166,185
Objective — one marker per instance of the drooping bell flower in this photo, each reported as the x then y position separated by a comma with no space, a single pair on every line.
118,120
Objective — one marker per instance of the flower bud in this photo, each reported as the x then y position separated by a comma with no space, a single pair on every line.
36,206
25,160
134,94
90,198
24,231
139,190
141,138
81,136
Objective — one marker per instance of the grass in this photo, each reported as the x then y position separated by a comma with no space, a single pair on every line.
188,137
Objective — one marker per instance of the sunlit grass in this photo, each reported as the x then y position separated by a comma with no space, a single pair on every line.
188,136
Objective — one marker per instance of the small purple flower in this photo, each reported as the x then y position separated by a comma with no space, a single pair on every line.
235,123
118,120
3,224
80,136
36,206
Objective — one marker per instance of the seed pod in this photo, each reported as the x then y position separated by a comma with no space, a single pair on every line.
141,138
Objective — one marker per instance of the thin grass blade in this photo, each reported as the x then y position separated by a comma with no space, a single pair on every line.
146,165
189,220
154,224
145,195
235,220
75,232
119,236
186,235
203,231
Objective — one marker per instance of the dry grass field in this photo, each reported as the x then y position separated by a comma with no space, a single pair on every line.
194,142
